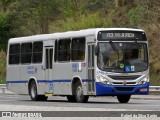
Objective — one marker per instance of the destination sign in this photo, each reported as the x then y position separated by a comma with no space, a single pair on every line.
109,35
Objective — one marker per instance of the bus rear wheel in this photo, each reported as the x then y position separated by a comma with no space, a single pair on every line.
123,98
80,97
33,93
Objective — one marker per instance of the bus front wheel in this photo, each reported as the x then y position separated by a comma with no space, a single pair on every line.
123,98
33,93
80,97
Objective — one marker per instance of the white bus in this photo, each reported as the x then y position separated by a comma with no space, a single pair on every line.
79,64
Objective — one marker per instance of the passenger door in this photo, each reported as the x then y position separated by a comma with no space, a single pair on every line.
49,68
91,79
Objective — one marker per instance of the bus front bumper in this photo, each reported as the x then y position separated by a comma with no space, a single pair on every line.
102,89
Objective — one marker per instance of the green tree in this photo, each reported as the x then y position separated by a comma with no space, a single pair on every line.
34,16
5,30
135,16
5,4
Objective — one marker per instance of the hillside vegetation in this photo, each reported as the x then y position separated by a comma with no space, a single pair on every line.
30,17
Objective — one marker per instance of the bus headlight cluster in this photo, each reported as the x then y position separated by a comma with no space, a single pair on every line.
144,80
103,80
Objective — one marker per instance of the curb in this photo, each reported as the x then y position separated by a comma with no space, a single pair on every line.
146,97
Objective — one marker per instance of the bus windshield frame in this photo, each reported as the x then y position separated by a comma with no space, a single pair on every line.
122,57
114,45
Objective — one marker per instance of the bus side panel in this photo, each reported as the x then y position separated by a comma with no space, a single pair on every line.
36,73
63,74
62,79
18,78
42,84
14,83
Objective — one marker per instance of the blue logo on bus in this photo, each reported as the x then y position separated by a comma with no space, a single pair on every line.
31,70
75,67
51,86
127,68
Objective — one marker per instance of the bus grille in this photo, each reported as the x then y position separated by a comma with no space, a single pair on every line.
122,83
124,88
124,77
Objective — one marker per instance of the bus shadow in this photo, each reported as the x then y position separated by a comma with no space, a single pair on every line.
63,101
89,102
129,103
66,101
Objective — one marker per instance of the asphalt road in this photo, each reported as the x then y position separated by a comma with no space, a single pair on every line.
23,103
101,108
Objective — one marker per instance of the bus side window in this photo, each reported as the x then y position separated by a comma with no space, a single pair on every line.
26,53
14,54
37,52
55,51
78,49
64,50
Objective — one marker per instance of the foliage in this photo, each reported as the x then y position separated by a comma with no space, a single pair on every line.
5,30
82,22
94,4
34,16
2,66
135,16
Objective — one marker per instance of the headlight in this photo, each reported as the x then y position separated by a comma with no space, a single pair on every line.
103,80
144,80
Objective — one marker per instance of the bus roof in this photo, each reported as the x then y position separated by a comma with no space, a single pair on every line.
69,34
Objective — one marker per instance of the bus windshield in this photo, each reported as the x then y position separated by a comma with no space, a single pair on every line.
122,57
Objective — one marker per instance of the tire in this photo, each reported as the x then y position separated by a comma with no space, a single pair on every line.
33,93
71,98
123,98
80,97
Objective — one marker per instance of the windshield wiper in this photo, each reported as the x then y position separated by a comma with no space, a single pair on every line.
113,47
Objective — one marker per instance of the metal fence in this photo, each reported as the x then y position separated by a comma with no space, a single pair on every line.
151,88
3,88
154,88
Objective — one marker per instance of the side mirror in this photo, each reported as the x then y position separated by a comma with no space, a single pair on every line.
97,50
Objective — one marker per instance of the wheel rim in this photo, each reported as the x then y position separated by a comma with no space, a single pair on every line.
33,91
79,93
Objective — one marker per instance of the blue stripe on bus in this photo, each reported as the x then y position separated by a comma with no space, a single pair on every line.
86,80
44,81
53,81
17,81
61,80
